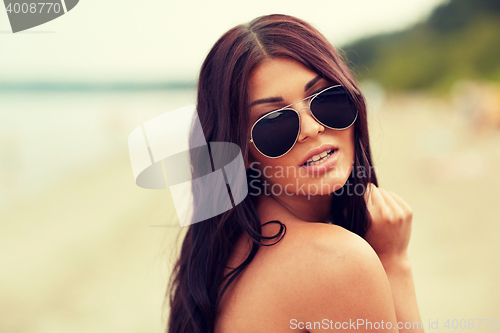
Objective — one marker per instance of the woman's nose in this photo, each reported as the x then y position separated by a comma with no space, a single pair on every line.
309,126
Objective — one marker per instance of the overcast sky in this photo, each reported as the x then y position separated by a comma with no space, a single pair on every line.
142,40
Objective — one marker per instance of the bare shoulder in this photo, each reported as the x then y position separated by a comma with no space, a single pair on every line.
336,274
331,273
315,250
316,271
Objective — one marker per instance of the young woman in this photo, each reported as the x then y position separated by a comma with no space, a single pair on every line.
315,245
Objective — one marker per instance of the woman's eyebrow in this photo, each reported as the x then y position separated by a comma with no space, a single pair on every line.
312,82
280,99
266,100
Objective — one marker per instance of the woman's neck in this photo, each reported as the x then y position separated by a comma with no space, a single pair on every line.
315,208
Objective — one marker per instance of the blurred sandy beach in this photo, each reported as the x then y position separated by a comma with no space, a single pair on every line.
81,250
429,154
86,254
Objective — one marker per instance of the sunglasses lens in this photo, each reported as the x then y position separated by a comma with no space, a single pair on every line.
334,108
276,133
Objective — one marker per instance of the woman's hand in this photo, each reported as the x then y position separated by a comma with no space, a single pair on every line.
389,233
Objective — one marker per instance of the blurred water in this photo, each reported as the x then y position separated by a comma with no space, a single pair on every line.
46,136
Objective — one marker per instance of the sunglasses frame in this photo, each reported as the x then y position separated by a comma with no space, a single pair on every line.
288,107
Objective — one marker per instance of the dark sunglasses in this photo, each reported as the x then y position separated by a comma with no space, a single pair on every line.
275,133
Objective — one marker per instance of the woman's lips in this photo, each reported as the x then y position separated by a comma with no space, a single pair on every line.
319,150
323,166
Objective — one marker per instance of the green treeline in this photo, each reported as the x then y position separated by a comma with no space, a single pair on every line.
460,40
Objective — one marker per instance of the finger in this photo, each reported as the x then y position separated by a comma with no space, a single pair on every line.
401,202
389,200
391,203
368,192
377,198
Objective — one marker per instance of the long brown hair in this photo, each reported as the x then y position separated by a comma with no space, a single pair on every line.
224,115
